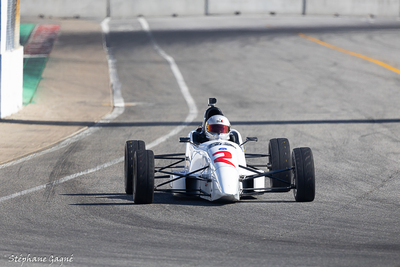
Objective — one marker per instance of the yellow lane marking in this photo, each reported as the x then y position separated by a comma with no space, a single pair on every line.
380,63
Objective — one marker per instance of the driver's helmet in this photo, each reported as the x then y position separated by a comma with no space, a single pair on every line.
217,127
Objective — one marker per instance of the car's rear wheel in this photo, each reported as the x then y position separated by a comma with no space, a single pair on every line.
143,177
279,151
130,148
303,175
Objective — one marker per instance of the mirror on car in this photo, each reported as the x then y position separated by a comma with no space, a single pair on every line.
184,139
252,139
249,139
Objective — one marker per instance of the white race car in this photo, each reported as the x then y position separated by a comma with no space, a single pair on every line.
215,166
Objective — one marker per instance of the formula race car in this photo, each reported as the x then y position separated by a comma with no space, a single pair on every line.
214,166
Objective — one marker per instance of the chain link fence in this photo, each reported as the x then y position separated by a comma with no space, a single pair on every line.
12,23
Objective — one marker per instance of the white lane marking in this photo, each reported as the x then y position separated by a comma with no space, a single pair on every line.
118,103
181,83
36,56
60,181
115,82
118,100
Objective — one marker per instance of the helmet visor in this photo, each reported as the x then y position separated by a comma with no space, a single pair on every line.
218,128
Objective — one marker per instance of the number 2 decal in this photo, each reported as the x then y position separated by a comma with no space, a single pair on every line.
224,158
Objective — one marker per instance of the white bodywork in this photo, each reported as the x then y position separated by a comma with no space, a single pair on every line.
221,179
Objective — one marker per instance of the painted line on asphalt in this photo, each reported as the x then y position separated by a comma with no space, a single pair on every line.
36,56
181,83
25,30
380,63
119,108
38,41
59,181
42,39
118,100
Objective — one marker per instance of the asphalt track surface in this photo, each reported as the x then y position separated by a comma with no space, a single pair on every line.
270,82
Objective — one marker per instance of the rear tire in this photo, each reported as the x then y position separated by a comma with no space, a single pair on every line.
303,175
279,151
130,148
143,177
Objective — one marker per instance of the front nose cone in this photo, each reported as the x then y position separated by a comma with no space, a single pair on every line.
228,180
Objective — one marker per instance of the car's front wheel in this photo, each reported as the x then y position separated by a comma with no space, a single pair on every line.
303,175
130,148
143,177
279,159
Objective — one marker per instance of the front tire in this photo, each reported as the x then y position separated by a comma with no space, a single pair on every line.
279,151
143,177
130,149
304,175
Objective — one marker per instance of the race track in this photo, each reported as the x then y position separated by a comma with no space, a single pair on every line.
270,82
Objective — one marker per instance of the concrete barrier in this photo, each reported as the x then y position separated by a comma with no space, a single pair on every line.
255,6
11,59
64,8
11,65
134,8
353,7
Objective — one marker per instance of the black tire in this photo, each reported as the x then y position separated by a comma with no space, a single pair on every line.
279,151
130,148
303,175
143,177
